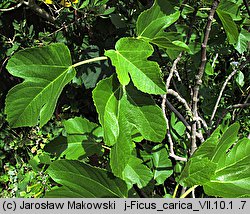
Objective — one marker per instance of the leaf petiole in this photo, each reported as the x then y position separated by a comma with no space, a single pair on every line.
185,194
175,190
89,61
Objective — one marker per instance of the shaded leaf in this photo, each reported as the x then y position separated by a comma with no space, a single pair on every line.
162,164
57,146
83,138
229,26
166,43
177,127
136,173
231,8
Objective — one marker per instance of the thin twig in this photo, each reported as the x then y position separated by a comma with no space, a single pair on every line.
5,60
12,8
203,122
241,67
189,112
200,74
248,97
172,70
39,11
188,191
243,105
169,137
178,114
182,119
63,27
220,95
214,60
236,106
200,131
247,7
180,99
163,107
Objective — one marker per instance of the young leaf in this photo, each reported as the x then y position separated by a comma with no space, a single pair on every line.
82,180
45,70
243,40
130,58
165,43
83,137
232,176
240,79
226,141
224,169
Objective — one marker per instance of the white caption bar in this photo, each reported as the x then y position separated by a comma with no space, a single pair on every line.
119,206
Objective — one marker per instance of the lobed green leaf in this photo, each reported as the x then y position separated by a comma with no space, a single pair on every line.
130,58
45,70
82,180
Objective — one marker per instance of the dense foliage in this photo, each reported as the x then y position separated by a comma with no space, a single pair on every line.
103,98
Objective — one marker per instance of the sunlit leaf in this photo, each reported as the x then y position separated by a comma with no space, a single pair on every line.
121,109
130,60
243,41
209,69
154,20
45,70
82,180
